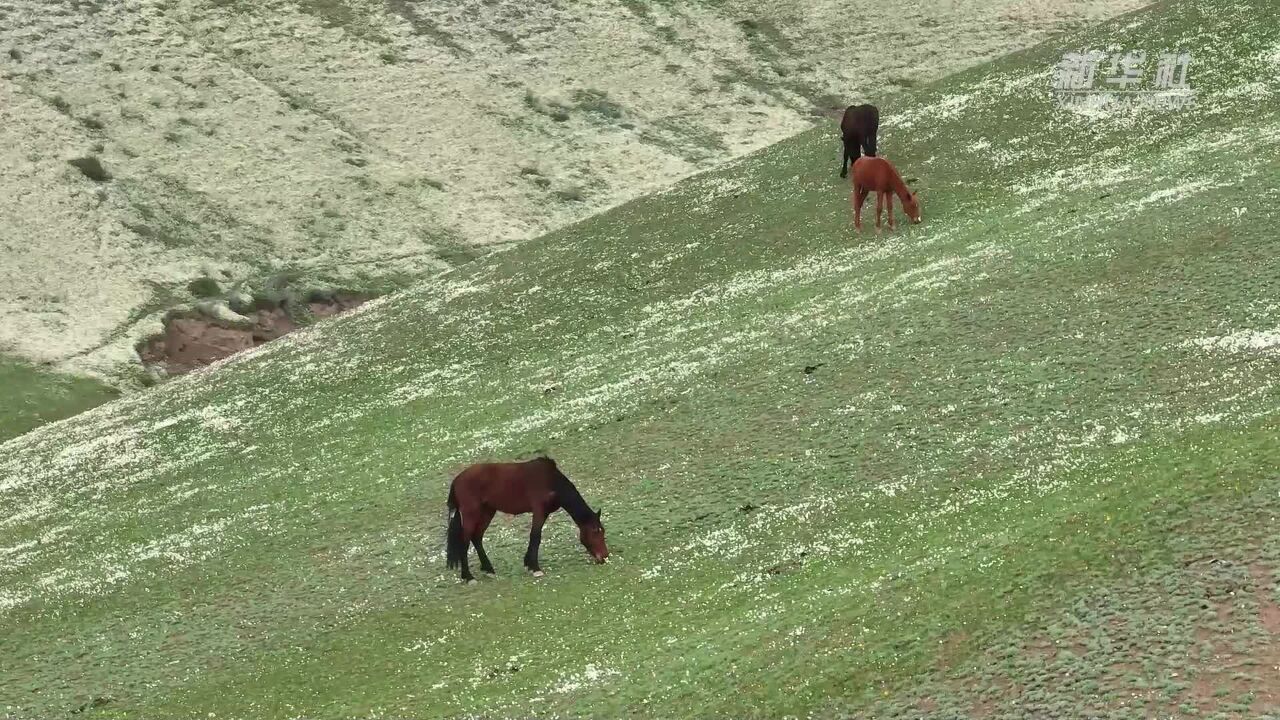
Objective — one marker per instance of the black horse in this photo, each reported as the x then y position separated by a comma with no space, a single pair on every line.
858,132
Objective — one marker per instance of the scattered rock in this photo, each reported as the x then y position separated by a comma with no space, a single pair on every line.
219,310
204,287
334,304
95,702
91,167
810,369
572,193
240,302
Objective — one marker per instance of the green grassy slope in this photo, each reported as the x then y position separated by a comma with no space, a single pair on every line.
1044,416
33,397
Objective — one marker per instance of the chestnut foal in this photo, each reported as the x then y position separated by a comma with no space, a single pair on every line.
876,173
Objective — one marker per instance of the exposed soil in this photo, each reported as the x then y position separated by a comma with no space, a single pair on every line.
190,343
1227,662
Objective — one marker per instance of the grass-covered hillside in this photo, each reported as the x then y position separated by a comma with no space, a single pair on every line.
1030,471
33,397
161,153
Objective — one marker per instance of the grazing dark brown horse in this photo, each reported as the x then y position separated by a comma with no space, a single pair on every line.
535,486
876,173
858,130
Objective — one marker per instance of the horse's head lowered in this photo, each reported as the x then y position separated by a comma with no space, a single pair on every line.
591,533
911,206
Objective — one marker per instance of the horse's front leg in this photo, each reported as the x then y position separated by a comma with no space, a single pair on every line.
888,205
535,539
879,208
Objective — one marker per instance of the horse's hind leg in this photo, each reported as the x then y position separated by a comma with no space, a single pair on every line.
477,539
858,197
468,528
844,163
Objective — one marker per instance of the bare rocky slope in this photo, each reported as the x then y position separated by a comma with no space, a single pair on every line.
160,152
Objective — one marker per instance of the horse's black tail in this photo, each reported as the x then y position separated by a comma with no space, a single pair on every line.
455,545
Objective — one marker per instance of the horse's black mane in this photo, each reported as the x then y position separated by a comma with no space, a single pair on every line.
570,499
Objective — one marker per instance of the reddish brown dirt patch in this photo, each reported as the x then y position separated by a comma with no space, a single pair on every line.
191,343
982,709
952,649
1268,609
1255,672
985,707
1042,648
1206,635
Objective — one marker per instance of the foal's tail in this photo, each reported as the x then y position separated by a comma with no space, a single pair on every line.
455,545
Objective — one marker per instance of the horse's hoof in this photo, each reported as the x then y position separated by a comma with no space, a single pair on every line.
538,573
472,581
